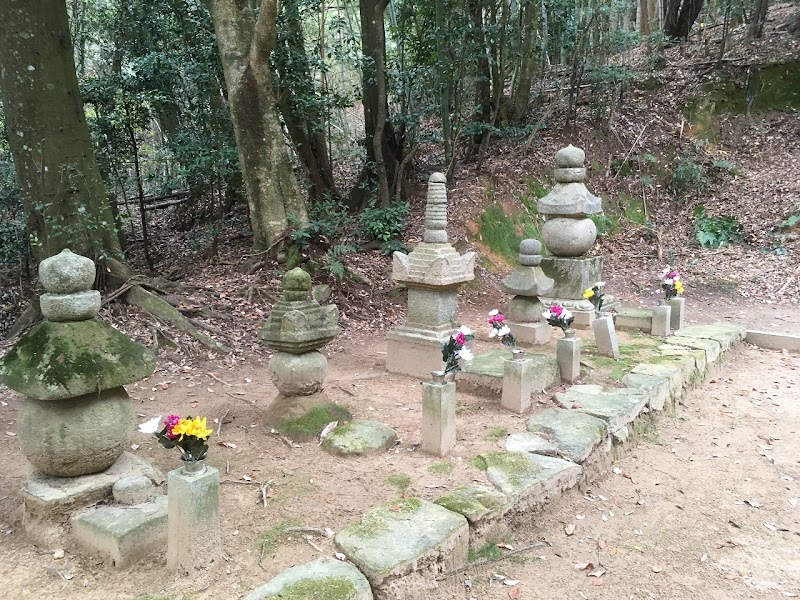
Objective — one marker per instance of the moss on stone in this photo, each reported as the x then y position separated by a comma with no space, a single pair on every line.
375,523
327,588
496,434
62,360
313,421
489,551
401,481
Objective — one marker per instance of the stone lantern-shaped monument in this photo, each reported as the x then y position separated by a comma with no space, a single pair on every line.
432,272
297,328
568,234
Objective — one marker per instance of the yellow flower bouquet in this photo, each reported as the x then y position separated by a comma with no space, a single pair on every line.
187,435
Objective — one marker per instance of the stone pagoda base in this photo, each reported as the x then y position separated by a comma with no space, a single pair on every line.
414,351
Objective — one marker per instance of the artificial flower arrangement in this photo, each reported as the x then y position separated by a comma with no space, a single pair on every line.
672,284
499,329
188,435
595,295
455,349
558,316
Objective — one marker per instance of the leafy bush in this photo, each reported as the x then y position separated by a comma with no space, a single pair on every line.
384,224
328,220
715,232
688,175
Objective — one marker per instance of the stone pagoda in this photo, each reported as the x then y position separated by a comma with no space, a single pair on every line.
76,421
527,282
297,328
568,234
432,272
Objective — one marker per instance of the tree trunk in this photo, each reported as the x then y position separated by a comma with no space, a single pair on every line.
521,93
62,190
383,149
679,16
245,44
756,26
483,90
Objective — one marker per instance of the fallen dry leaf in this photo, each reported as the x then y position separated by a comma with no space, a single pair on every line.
570,529
599,572
602,544
597,582
584,566
613,552
515,593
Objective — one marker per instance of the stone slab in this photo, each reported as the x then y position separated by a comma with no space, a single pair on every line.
634,318
712,348
700,360
655,387
531,442
529,479
360,438
322,578
475,502
725,333
410,536
669,370
773,341
484,374
530,334
616,406
685,363
575,433
414,352
122,535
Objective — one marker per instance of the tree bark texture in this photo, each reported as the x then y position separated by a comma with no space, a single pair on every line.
756,26
245,44
483,90
383,149
62,189
679,16
520,95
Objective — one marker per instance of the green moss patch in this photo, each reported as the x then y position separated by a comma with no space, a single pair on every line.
496,434
502,232
375,523
312,422
489,551
441,468
269,539
328,588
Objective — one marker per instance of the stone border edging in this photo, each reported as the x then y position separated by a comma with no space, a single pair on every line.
773,341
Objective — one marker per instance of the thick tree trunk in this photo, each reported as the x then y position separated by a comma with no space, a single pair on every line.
245,44
679,16
521,93
62,190
483,90
384,151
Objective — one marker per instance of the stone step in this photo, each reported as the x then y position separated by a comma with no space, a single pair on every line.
483,375
484,509
122,535
322,578
411,539
615,406
576,433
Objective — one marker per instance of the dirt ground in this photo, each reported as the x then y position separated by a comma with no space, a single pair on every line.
728,435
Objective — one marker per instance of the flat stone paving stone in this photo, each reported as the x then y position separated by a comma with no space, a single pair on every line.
700,360
122,535
529,477
360,438
672,372
685,363
531,442
575,433
483,375
325,578
475,502
616,406
411,535
655,387
712,348
724,333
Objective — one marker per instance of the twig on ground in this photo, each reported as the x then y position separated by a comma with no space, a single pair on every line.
308,540
251,402
221,419
483,561
282,438
220,380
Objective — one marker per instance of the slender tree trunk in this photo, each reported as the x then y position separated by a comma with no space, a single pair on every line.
62,190
756,26
444,83
483,90
520,95
245,44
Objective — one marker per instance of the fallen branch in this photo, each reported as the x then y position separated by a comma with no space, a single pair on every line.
483,561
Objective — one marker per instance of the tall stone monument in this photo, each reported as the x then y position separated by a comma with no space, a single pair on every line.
76,420
432,272
568,234
527,282
297,328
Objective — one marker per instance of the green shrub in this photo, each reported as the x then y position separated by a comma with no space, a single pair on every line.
383,224
688,175
715,232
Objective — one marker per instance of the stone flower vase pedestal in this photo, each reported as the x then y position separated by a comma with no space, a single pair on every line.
432,273
676,305
297,328
76,418
605,336
568,356
662,316
438,415
517,382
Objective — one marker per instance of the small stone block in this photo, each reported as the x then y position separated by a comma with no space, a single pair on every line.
134,489
530,334
677,305
568,355
699,355
323,578
122,535
518,378
661,320
413,352
438,418
575,433
606,337
671,372
655,387
616,406
530,442
583,319
360,438
194,535
484,374
634,318
529,479
712,348
773,341
404,538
